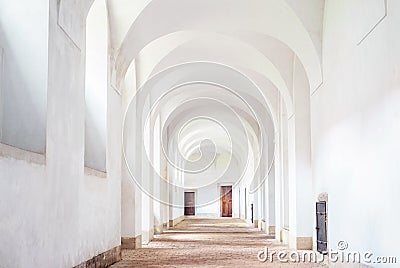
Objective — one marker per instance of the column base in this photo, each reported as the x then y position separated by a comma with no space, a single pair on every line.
271,230
255,223
175,221
304,243
131,242
159,229
284,235
263,226
147,236
298,243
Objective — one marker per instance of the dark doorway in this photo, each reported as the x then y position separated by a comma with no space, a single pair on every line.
226,201
189,204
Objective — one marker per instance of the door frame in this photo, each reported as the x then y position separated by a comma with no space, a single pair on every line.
219,185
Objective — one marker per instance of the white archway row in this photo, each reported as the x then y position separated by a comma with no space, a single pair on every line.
281,7
139,67
160,55
285,199
177,75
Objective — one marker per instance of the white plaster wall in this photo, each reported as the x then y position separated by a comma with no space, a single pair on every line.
208,196
205,208
241,202
99,214
24,39
178,198
128,209
1,90
54,215
355,127
23,207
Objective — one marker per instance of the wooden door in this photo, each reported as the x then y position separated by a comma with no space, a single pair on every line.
226,201
189,204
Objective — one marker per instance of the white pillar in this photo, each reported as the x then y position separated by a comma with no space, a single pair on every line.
157,207
130,194
300,178
147,178
271,199
277,189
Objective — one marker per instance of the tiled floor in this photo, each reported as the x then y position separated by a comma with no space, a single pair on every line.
207,243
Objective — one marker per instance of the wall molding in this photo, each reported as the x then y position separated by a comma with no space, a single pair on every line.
103,260
385,2
94,172
320,85
70,21
8,151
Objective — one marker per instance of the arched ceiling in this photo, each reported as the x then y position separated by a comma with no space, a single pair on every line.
240,18
124,12
135,25
213,48
248,47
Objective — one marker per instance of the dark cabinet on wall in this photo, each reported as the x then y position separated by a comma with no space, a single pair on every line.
322,239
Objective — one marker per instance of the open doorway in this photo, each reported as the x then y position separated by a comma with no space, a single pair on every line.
189,203
226,201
